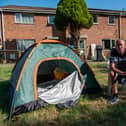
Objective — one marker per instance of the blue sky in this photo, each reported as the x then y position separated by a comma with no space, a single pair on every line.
97,4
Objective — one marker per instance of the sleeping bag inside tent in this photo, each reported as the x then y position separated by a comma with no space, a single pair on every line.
49,72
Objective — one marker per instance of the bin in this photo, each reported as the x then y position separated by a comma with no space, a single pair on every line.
99,56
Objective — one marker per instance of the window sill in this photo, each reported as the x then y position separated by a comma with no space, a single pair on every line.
95,23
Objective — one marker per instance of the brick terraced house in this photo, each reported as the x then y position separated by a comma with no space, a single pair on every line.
21,26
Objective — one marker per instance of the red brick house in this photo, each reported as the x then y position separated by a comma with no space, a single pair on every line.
21,26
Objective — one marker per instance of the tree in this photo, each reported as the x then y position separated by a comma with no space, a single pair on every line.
73,15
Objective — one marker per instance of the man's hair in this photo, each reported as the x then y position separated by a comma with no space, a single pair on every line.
119,40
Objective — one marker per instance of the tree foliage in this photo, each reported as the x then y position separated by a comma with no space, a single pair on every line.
73,15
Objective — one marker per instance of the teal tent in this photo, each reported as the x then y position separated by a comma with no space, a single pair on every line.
36,67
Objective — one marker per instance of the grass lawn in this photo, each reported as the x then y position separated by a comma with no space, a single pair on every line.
92,110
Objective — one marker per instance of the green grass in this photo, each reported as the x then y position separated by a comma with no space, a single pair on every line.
5,71
92,110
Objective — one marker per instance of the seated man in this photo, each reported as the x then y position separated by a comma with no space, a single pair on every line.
118,68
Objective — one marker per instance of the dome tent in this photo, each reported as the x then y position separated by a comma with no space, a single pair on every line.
35,69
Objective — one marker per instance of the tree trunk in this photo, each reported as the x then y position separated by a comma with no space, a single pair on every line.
75,34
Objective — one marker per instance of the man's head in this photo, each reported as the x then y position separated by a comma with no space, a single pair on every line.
120,45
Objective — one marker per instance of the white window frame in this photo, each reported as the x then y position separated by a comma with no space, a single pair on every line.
51,19
109,20
82,47
95,17
24,18
20,43
83,44
112,43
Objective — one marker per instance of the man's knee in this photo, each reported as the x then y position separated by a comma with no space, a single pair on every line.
112,74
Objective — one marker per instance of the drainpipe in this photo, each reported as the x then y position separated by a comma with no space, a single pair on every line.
3,33
120,26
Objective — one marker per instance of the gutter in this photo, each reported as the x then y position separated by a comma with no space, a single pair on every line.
122,13
120,25
43,11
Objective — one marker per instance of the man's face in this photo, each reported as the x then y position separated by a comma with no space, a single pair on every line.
120,45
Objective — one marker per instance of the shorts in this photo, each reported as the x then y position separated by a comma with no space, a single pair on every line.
121,79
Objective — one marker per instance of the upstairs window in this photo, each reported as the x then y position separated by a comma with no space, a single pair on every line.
24,18
23,44
95,19
51,19
111,19
108,43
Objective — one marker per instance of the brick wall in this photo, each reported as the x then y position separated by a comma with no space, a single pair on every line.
37,31
101,31
123,28
41,29
0,33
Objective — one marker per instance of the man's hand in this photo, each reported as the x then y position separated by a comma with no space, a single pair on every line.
123,73
115,69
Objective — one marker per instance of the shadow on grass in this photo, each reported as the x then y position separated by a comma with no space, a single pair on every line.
4,96
81,115
100,67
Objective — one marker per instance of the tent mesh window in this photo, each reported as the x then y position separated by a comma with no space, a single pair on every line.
54,70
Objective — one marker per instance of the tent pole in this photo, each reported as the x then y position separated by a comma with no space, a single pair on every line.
11,107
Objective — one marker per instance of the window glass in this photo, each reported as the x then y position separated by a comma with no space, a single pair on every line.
22,45
17,17
81,44
51,19
72,44
108,43
113,43
111,19
95,19
24,18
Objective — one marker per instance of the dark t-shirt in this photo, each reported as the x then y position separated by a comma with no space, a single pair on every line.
118,60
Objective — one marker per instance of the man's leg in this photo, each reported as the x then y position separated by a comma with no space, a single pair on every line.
114,88
113,83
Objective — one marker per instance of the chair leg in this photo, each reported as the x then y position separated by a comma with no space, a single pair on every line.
109,86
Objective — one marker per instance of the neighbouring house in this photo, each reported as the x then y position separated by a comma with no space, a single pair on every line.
21,26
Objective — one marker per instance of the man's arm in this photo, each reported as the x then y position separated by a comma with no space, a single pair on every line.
115,69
